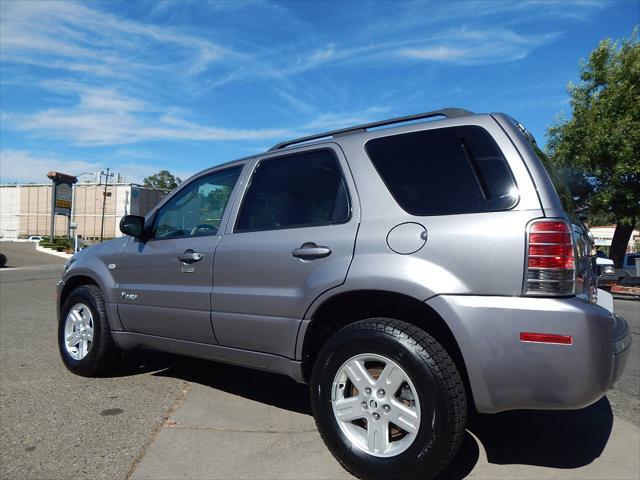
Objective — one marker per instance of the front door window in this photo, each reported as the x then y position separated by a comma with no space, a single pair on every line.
197,209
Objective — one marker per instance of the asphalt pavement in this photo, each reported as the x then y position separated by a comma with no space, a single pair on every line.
23,254
625,397
164,416
56,425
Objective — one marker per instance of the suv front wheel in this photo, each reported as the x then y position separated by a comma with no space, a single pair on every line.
84,336
388,400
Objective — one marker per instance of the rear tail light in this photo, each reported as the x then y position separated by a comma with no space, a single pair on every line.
550,268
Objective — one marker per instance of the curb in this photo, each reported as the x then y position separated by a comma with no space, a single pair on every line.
53,252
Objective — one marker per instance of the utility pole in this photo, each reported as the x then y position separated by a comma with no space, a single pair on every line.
104,199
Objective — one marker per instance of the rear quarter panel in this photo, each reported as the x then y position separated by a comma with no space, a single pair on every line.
479,253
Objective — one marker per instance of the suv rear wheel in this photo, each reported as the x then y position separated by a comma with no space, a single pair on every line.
84,336
388,400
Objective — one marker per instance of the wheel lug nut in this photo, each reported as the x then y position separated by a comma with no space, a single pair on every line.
376,416
386,408
364,405
367,391
380,393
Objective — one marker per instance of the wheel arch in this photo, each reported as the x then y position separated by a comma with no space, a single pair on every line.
77,278
74,282
348,307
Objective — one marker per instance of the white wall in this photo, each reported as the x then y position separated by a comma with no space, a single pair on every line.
9,211
123,206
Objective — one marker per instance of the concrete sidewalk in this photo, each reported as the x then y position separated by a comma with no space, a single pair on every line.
219,431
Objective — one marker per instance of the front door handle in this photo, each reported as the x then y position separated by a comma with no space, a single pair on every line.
189,256
311,251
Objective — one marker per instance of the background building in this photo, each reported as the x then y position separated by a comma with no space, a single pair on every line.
26,209
602,237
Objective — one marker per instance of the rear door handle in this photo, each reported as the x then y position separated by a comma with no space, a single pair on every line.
189,256
311,251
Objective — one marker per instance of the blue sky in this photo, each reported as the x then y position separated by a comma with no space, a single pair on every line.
141,86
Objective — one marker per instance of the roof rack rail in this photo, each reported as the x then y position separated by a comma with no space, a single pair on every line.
444,112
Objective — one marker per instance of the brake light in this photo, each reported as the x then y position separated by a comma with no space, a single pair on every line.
550,268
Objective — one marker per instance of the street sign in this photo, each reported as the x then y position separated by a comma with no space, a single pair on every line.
63,195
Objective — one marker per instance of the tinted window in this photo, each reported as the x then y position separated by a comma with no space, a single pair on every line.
559,184
563,191
197,209
444,171
295,191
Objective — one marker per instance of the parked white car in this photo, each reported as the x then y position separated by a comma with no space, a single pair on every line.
605,270
35,238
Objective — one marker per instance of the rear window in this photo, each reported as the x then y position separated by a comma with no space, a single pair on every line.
444,171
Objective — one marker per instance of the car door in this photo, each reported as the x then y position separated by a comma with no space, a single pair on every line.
165,282
291,239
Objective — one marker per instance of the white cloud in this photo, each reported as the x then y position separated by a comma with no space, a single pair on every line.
331,121
136,172
22,166
96,128
435,53
125,73
107,99
438,16
474,47
78,38
104,116
315,59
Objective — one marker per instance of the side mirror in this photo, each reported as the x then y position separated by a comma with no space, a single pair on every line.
133,225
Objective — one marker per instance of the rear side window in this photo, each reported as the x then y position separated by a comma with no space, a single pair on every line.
299,190
562,190
444,171
555,175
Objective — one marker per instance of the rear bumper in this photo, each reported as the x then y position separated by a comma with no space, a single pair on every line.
506,373
619,349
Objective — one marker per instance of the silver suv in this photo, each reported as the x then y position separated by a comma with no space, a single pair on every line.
409,274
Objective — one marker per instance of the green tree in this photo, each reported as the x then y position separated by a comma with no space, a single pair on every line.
163,179
598,148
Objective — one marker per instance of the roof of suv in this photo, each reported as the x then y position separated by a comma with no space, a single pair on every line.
443,112
446,113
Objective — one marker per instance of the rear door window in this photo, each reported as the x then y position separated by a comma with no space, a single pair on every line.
444,171
299,190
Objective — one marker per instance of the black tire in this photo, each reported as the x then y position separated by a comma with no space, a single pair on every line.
102,352
437,382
